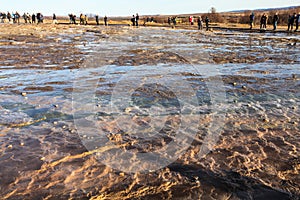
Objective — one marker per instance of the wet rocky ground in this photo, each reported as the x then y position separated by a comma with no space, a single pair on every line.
150,113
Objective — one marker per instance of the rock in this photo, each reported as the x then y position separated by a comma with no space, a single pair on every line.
266,120
72,130
122,174
292,44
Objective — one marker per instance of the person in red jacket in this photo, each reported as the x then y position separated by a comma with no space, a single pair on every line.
191,20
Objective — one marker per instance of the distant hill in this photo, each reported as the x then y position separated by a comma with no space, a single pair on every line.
266,9
237,16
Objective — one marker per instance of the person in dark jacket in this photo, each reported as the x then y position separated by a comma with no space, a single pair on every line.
251,20
199,22
40,18
8,16
207,23
54,18
292,21
275,21
97,19
137,18
33,17
174,20
263,21
105,20
133,20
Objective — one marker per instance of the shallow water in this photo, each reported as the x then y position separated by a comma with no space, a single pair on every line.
149,113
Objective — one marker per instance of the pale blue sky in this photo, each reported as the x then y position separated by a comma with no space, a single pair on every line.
129,7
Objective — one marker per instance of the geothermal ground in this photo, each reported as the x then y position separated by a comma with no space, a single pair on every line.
148,113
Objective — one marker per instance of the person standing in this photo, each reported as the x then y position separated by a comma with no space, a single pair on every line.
71,18
13,16
105,20
2,17
266,21
191,20
169,21
97,19
8,17
54,19
86,20
81,19
275,21
174,20
74,19
38,17
199,22
293,19
263,21
17,17
297,21
252,16
41,18
137,17
28,17
207,23
25,18
33,18
289,22
133,20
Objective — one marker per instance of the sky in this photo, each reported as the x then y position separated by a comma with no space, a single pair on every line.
130,7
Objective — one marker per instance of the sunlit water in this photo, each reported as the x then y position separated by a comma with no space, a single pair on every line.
168,75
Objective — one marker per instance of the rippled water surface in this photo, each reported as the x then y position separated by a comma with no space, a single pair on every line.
148,113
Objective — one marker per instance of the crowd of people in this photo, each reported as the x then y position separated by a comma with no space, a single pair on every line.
173,21
292,20
14,17
84,20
